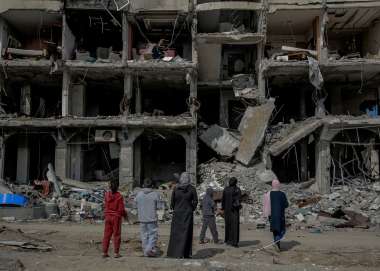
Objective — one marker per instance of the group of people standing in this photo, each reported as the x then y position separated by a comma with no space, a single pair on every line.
184,202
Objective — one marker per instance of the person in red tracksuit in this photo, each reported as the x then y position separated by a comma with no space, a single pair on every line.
114,212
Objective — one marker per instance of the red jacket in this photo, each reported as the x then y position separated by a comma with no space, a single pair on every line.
114,204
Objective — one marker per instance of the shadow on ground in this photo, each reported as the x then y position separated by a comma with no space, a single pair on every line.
288,245
207,253
249,243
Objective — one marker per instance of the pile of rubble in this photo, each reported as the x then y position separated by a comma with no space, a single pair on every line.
356,205
55,198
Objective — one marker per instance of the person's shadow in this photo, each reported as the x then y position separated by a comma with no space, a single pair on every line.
249,243
207,253
288,245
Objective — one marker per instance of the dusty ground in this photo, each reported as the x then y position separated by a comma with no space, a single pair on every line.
78,247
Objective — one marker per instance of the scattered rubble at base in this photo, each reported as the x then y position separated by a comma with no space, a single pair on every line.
357,205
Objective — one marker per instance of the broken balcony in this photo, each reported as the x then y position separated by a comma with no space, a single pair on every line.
31,38
20,148
160,40
158,155
351,39
137,6
209,5
30,98
227,26
93,155
293,36
93,37
159,95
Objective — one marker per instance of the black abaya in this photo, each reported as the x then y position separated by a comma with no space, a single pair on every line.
231,206
184,202
278,204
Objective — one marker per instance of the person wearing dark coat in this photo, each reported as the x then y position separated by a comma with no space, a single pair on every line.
231,205
275,203
184,202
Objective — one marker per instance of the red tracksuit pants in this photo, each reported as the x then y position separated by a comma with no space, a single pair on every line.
112,226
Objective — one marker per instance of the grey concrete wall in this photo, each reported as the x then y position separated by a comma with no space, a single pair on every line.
371,40
210,57
3,35
53,5
23,160
164,5
78,100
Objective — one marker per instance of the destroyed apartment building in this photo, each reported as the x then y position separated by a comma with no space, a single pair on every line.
129,90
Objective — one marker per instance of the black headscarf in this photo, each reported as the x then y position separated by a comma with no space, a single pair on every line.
232,181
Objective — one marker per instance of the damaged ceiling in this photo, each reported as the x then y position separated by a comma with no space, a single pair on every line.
30,22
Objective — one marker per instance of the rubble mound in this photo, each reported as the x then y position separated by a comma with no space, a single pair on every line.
354,205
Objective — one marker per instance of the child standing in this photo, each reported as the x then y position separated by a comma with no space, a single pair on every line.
114,212
208,211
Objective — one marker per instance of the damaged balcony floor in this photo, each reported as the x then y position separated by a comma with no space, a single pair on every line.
178,122
78,247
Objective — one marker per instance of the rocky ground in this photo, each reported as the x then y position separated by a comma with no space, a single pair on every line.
77,246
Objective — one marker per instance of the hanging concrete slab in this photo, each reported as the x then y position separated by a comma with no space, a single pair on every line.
221,140
252,127
301,130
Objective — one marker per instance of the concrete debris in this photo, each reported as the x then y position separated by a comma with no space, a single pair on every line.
307,208
53,178
223,141
25,245
283,138
4,189
253,127
297,50
17,238
315,75
376,186
244,86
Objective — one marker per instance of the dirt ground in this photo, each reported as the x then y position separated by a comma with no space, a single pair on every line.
78,247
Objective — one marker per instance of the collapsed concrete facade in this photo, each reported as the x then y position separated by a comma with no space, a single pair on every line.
100,105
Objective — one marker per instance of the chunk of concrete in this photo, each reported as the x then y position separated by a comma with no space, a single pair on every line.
301,130
221,140
253,127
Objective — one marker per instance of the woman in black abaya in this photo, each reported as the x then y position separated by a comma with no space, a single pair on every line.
184,202
231,205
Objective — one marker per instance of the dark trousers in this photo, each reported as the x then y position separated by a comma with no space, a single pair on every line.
209,221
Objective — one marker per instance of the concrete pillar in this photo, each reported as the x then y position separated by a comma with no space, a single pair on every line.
193,94
225,97
78,100
322,168
23,160
126,160
191,153
65,92
128,87
26,100
61,158
303,142
138,98
76,162
375,167
137,162
2,156
322,46
125,35
194,30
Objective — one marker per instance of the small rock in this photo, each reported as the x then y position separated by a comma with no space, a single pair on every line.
376,186
300,217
